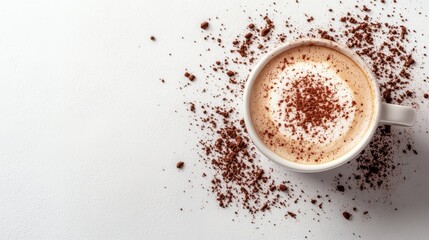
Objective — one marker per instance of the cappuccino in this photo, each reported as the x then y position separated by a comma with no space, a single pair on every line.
312,104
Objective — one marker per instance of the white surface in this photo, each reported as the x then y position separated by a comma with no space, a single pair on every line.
87,128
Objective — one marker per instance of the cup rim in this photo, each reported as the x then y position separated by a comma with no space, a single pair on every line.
311,168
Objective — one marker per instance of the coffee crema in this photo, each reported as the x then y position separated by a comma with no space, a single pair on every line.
312,104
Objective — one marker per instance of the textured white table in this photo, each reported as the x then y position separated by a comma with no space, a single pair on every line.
86,128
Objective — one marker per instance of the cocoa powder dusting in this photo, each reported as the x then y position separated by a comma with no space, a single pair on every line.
312,111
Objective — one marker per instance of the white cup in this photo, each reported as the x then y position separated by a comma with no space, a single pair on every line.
389,114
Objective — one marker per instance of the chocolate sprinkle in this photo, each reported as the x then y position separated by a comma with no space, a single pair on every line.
204,25
347,215
180,164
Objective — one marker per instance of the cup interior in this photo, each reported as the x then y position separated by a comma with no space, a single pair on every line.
299,167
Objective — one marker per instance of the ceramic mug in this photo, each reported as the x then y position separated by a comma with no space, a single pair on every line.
389,114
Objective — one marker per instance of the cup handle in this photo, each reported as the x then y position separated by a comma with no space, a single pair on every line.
392,114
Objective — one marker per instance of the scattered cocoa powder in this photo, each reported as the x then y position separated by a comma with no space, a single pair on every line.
282,187
409,61
180,164
192,107
365,9
204,25
230,73
265,32
191,77
237,177
291,214
347,215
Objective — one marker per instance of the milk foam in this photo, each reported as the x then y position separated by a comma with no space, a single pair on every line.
325,74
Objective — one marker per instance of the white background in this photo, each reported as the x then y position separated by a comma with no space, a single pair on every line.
87,128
